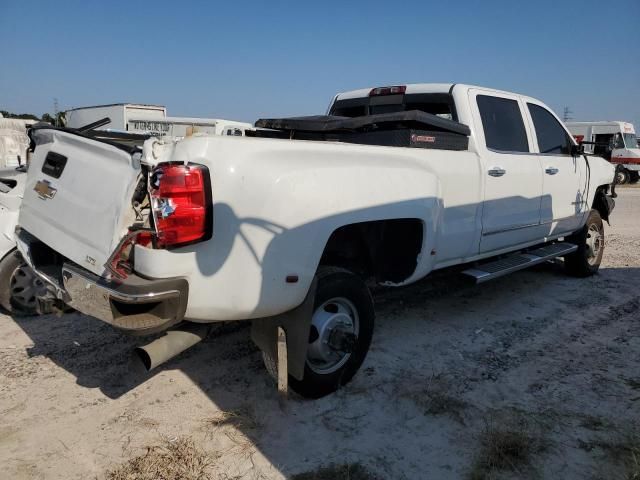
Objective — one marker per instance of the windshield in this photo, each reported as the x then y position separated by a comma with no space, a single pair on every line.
630,140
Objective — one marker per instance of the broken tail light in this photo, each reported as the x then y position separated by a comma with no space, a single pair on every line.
182,207
119,262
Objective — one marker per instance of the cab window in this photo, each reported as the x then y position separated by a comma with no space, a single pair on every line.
502,124
439,104
552,138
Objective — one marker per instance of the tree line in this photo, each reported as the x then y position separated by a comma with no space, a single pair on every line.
45,117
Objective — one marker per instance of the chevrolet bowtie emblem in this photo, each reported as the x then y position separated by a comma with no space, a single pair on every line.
44,189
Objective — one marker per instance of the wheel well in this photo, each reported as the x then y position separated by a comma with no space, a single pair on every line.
385,249
12,250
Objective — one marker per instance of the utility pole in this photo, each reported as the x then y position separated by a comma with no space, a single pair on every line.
566,116
55,112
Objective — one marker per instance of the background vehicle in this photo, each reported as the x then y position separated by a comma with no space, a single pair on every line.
13,142
615,141
152,120
285,225
19,285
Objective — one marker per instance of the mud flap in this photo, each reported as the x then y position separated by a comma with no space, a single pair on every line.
604,204
615,183
296,324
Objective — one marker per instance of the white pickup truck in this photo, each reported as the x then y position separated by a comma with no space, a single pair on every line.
285,226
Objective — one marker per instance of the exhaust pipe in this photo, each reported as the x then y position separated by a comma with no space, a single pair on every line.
172,343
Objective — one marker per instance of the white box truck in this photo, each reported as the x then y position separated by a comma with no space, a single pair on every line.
615,141
119,113
151,120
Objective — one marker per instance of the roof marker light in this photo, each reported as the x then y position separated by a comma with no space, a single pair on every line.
393,90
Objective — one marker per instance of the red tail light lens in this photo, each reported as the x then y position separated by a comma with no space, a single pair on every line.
394,90
182,209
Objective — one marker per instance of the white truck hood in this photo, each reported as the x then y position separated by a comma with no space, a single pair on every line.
77,197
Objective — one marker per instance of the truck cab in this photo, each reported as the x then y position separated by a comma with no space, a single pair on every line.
524,169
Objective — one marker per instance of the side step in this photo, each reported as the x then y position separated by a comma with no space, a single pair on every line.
513,263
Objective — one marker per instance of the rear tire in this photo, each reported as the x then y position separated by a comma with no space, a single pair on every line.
585,261
342,300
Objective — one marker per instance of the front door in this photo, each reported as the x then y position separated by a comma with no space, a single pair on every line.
512,173
563,192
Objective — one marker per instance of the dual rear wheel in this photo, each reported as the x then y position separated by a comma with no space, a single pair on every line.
340,334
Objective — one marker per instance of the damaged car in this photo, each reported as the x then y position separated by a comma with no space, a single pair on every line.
19,285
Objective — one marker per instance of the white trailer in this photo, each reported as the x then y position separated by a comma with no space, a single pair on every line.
151,119
616,141
181,127
119,113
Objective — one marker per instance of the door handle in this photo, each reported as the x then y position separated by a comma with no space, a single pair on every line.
551,170
497,172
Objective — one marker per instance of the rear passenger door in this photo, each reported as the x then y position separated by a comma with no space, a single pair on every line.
562,193
512,173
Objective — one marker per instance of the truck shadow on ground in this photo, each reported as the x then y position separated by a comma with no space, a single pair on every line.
227,366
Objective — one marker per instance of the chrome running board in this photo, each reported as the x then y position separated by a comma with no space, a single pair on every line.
519,261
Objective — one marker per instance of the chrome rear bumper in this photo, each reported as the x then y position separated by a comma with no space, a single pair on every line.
137,305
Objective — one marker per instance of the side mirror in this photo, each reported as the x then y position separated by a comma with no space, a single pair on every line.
577,150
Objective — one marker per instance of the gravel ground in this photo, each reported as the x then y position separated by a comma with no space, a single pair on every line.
535,375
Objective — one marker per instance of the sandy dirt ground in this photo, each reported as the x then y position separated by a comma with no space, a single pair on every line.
453,369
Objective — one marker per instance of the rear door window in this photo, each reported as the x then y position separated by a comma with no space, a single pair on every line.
502,124
552,138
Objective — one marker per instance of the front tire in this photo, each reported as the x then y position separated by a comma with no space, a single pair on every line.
341,331
19,286
586,260
622,176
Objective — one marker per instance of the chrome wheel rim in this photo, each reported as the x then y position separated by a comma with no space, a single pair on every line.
620,178
595,242
334,318
25,286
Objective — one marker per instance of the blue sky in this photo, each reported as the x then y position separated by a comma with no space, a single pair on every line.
243,59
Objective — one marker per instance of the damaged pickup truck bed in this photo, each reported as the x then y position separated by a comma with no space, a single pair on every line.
283,226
